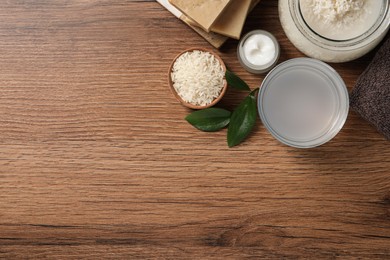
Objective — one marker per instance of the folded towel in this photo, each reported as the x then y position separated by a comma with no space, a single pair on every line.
371,95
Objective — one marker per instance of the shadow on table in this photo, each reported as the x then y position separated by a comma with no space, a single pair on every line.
358,147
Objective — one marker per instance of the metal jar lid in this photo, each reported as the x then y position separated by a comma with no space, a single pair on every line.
303,102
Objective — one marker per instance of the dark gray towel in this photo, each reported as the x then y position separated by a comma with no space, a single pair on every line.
371,95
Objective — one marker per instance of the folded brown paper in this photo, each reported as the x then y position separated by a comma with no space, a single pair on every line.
232,19
215,39
203,12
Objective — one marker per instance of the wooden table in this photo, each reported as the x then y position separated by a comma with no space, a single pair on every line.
97,161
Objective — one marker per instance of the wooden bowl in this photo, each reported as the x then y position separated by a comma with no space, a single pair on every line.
189,105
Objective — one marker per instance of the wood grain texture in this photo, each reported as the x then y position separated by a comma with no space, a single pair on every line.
96,160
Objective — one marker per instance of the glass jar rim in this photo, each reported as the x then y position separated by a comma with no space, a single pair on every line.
338,85
379,27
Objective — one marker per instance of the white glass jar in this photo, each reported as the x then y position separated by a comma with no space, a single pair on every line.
303,102
258,51
333,47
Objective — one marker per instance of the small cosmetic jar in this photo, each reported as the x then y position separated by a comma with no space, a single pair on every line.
258,51
303,102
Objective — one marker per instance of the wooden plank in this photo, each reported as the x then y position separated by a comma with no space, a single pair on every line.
96,160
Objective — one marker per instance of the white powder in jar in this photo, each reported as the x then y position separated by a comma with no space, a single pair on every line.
198,77
334,40
340,19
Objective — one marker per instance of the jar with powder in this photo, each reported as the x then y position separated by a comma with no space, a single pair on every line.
335,30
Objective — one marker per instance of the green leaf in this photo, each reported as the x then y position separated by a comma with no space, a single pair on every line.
235,82
209,119
242,121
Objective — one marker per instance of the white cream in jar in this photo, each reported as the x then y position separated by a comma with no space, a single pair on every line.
258,51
